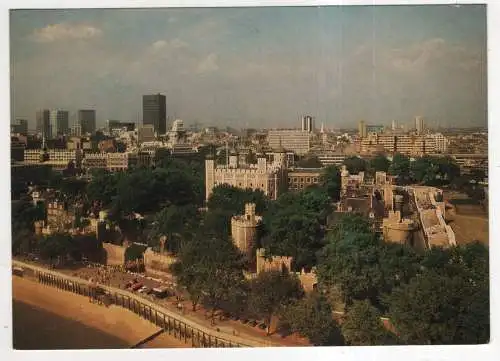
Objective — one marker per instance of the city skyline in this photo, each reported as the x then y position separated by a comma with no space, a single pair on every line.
256,67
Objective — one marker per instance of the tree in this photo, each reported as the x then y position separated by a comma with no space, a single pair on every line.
380,163
103,186
440,309
332,182
174,222
296,233
360,265
251,158
310,162
271,291
400,167
433,170
210,269
56,246
424,170
233,199
217,222
362,326
312,317
352,263
221,157
355,165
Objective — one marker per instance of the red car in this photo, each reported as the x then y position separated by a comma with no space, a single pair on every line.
137,286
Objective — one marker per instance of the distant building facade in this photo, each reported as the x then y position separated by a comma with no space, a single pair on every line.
86,120
268,177
307,124
297,141
59,123
154,112
20,126
43,123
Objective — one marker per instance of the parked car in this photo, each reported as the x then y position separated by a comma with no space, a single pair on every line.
253,323
137,286
262,326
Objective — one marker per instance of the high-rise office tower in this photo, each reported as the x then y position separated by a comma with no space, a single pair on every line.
419,125
43,123
362,129
86,121
59,122
154,112
307,123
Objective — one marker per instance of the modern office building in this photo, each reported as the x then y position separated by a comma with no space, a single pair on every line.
43,123
378,129
115,126
419,125
308,123
362,129
59,123
414,145
154,112
297,141
146,133
20,126
86,119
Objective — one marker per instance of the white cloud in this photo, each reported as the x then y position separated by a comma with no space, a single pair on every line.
65,31
208,64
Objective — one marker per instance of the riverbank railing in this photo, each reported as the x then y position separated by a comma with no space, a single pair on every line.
181,329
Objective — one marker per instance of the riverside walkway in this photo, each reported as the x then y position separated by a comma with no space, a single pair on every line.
174,324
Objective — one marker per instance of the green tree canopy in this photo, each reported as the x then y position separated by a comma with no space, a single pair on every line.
270,292
440,309
176,223
331,181
312,317
310,162
434,170
233,199
56,246
400,167
210,269
294,225
380,163
355,165
361,265
362,326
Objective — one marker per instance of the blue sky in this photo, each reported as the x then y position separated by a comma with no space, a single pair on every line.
257,67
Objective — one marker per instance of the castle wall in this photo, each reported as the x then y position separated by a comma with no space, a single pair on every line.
158,263
115,255
308,280
274,263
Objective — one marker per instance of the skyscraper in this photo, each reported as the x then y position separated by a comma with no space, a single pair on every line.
419,125
86,121
154,112
362,129
59,123
307,123
43,123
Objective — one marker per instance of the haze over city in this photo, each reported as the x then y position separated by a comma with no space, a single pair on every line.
255,67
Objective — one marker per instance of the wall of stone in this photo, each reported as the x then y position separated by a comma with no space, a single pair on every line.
308,280
274,263
158,263
115,255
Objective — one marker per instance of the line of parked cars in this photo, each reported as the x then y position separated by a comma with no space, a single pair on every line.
158,292
248,321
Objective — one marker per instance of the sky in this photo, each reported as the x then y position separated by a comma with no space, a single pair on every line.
255,67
